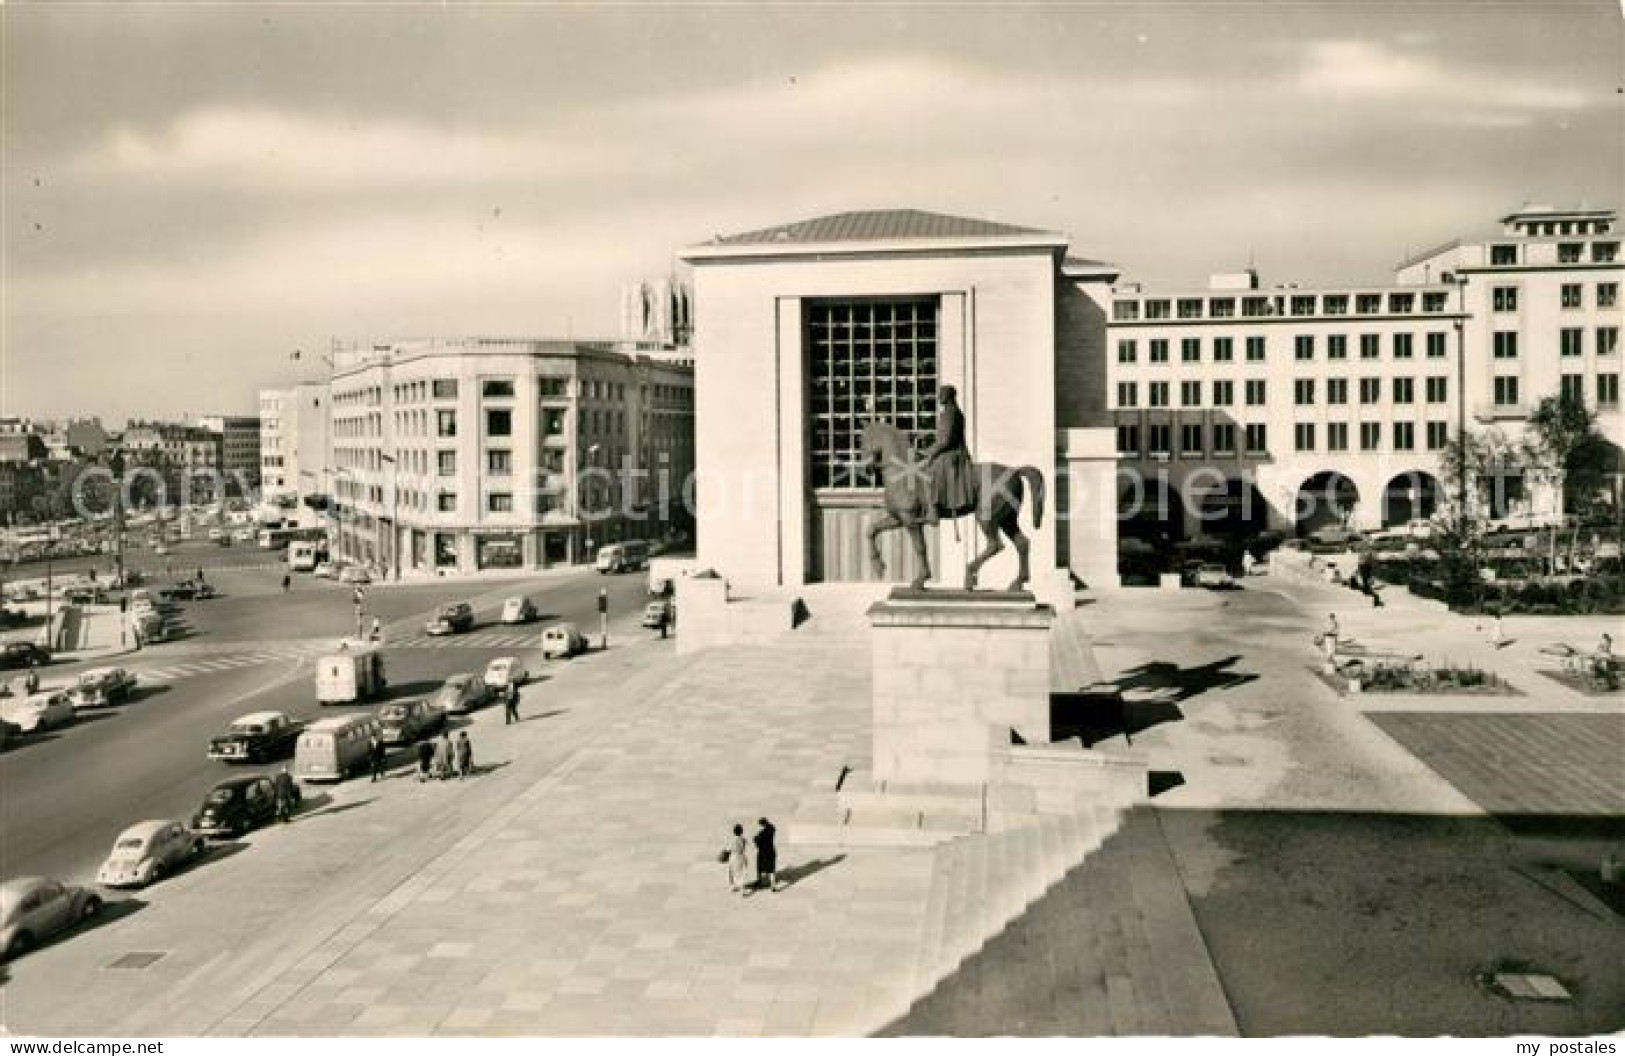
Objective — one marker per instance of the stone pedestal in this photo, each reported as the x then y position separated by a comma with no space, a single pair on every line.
954,673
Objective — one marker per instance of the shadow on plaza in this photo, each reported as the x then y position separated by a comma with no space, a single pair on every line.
111,913
1138,699
794,874
1341,923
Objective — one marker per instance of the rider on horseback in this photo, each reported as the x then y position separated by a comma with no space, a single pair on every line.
948,462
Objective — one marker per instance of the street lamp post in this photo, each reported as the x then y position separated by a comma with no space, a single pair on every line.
394,528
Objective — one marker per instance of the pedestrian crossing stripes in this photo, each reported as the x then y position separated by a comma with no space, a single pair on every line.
216,664
475,640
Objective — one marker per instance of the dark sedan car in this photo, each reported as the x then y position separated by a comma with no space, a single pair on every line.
235,806
21,654
451,619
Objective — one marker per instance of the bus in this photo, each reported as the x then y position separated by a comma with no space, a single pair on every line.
623,557
279,538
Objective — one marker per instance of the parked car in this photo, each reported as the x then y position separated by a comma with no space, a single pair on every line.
102,687
461,693
9,731
148,851
83,595
505,671
41,711
1214,577
235,806
216,534
518,610
658,612
562,640
161,550
354,574
23,654
33,908
256,737
451,619
405,721
324,570
1333,535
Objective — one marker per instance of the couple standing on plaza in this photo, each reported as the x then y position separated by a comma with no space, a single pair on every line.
737,856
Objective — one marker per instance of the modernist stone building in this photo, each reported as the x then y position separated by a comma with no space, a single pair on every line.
804,330
1293,407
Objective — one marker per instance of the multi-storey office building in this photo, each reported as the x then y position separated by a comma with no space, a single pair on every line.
468,454
1292,407
239,449
294,447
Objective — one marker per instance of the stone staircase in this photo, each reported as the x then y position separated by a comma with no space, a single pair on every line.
855,811
1075,925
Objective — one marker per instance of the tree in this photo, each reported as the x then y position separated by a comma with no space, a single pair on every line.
1567,449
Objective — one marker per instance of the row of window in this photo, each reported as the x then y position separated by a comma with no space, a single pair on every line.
1255,391
1260,306
1508,254
1570,295
1304,347
1219,438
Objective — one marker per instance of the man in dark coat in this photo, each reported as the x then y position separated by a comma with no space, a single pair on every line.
376,755
767,856
948,463
510,704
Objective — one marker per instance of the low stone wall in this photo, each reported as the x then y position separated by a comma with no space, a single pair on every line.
1032,781
708,615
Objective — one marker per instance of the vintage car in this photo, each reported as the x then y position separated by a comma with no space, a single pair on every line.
659,613
33,909
1213,576
505,671
451,619
23,654
562,640
461,693
518,610
256,737
233,807
405,721
84,595
147,852
102,687
40,711
324,570
9,731
354,574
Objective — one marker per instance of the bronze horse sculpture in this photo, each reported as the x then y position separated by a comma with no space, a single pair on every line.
996,503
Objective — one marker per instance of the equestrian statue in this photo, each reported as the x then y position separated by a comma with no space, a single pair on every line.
945,483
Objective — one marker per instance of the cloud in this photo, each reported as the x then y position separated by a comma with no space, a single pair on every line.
1369,71
267,149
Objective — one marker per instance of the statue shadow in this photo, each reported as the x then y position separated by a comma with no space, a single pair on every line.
1169,682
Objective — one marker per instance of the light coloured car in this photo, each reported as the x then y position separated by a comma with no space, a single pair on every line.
518,610
1213,576
148,851
354,574
562,640
102,687
505,671
324,570
41,711
33,909
460,694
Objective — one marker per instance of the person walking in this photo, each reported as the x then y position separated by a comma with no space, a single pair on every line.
425,759
767,856
465,755
737,855
510,705
286,795
31,680
377,634
1328,638
443,761
376,755
287,582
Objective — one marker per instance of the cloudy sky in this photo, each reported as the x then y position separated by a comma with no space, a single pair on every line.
191,191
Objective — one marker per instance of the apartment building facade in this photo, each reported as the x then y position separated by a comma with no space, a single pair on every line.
294,447
239,449
476,454
1292,408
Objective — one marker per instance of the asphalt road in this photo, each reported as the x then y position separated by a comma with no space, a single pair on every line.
65,794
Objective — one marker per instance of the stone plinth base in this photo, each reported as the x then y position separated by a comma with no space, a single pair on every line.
955,673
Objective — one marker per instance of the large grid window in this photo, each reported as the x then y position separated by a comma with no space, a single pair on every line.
867,358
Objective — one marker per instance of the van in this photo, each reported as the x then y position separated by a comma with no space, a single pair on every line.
354,673
333,749
623,557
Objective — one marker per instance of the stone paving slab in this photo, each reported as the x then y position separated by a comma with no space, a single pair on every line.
1522,764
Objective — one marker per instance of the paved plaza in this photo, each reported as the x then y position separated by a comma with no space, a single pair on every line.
572,887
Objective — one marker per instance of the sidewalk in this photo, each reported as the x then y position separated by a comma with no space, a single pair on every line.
572,889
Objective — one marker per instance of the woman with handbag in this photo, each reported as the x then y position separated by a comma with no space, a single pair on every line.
736,853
